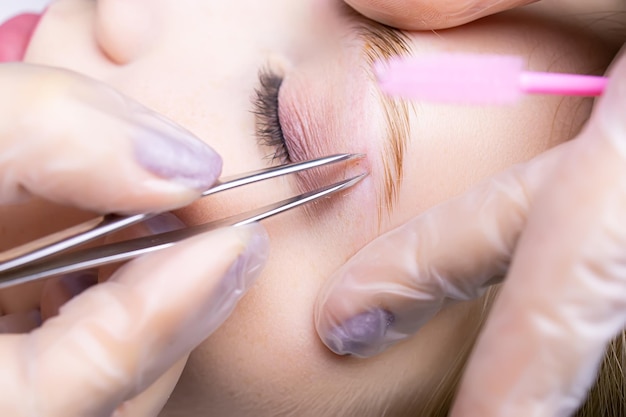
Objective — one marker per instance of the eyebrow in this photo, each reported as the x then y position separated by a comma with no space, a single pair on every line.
381,42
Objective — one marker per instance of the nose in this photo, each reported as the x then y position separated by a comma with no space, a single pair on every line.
125,28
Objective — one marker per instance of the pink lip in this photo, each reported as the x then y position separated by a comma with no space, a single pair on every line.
15,36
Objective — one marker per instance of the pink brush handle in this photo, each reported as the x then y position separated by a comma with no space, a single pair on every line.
562,84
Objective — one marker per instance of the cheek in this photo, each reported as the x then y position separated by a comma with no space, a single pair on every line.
268,349
265,349
304,254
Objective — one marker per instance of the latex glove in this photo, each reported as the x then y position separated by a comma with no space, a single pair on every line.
117,338
77,142
74,141
428,14
554,226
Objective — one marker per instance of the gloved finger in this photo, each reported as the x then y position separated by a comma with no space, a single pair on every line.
20,322
75,141
454,251
58,291
563,300
118,337
428,14
152,400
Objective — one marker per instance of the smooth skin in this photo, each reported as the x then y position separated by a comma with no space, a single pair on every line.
555,223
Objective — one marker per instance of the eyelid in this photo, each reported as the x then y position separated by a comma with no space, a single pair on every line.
311,130
293,146
302,133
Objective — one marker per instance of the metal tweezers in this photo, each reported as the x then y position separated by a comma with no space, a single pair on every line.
47,256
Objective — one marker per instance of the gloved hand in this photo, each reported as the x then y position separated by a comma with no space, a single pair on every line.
71,140
429,15
554,226
76,142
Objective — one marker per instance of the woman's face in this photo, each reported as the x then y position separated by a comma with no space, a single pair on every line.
198,62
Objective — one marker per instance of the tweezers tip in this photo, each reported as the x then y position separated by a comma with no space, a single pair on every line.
347,183
359,177
356,155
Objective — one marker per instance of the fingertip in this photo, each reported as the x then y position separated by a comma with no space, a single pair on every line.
379,297
169,152
427,15
393,12
219,267
86,145
362,335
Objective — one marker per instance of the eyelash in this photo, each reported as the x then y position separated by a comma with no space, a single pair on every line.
268,130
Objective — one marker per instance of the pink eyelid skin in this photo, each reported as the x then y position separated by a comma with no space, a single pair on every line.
314,125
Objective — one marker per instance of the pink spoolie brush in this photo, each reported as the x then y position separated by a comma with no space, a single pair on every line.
480,79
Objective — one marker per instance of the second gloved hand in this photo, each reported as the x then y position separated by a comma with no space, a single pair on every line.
554,227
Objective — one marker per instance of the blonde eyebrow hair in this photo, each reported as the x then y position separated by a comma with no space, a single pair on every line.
381,42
